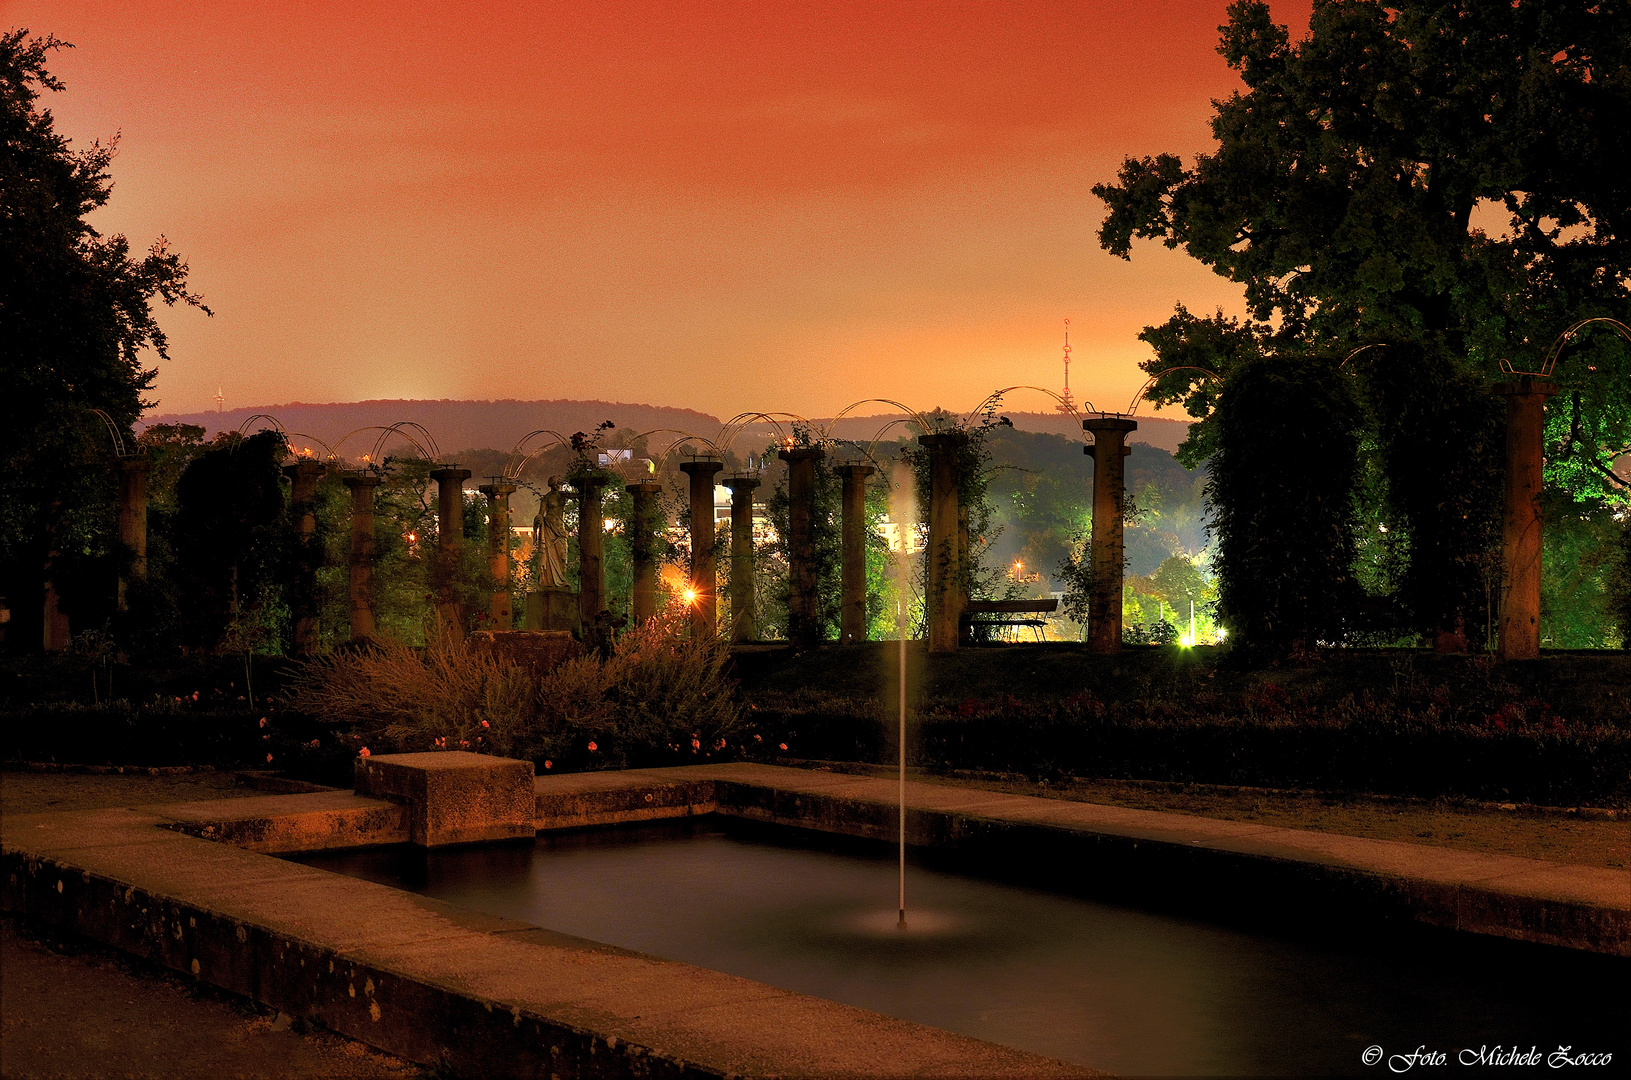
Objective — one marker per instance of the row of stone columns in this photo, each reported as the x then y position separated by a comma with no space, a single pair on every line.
947,547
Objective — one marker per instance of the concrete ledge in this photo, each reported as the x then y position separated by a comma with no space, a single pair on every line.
278,824
1139,854
580,800
476,995
454,797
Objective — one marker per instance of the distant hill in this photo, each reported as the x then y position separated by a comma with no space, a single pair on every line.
1162,433
472,425
455,425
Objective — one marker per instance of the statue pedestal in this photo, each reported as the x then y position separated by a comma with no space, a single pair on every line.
553,609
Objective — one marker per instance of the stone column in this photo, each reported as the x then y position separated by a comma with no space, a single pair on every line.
362,487
944,594
498,550
591,554
744,598
965,629
449,541
303,477
1107,553
1521,529
644,496
705,604
804,597
852,611
133,519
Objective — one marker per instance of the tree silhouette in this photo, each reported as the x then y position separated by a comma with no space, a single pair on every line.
75,315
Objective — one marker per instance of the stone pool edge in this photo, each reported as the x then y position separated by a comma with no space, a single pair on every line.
1576,907
414,971
422,979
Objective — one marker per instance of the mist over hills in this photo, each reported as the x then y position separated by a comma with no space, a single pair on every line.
468,425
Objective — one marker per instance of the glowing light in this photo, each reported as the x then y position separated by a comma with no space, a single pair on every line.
413,538
1222,633
608,524
690,596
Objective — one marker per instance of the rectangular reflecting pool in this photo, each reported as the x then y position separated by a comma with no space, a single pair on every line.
1135,992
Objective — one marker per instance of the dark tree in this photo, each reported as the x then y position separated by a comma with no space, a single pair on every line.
1452,177
1342,192
1439,434
233,543
1282,487
75,315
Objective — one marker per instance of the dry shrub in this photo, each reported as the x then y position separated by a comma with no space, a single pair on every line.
658,698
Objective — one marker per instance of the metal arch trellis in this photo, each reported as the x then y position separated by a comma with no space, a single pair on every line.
328,450
513,467
1065,404
733,428
1549,361
371,459
1132,408
120,449
427,447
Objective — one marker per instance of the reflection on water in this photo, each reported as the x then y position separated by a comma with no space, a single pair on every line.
1120,989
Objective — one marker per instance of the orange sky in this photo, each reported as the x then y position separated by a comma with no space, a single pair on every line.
768,206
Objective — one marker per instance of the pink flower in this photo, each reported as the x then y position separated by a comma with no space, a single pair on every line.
549,764
484,723
593,748
364,752
268,759
464,743
695,746
315,744
784,746
263,721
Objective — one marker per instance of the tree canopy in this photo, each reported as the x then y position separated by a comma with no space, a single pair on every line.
1451,174
75,319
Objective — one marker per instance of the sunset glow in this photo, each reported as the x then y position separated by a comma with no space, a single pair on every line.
721,207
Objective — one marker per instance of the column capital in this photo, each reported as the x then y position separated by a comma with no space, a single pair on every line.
801,453
1109,423
739,484
943,439
589,480
1526,385
701,467
449,472
854,469
304,468
497,491
361,480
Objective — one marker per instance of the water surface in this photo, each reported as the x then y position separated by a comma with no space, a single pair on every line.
1130,991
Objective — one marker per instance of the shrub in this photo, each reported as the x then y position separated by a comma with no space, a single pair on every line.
658,698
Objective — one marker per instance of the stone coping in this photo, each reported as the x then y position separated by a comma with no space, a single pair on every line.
1579,907
477,995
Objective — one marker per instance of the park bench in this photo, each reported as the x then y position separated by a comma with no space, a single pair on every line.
1007,613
